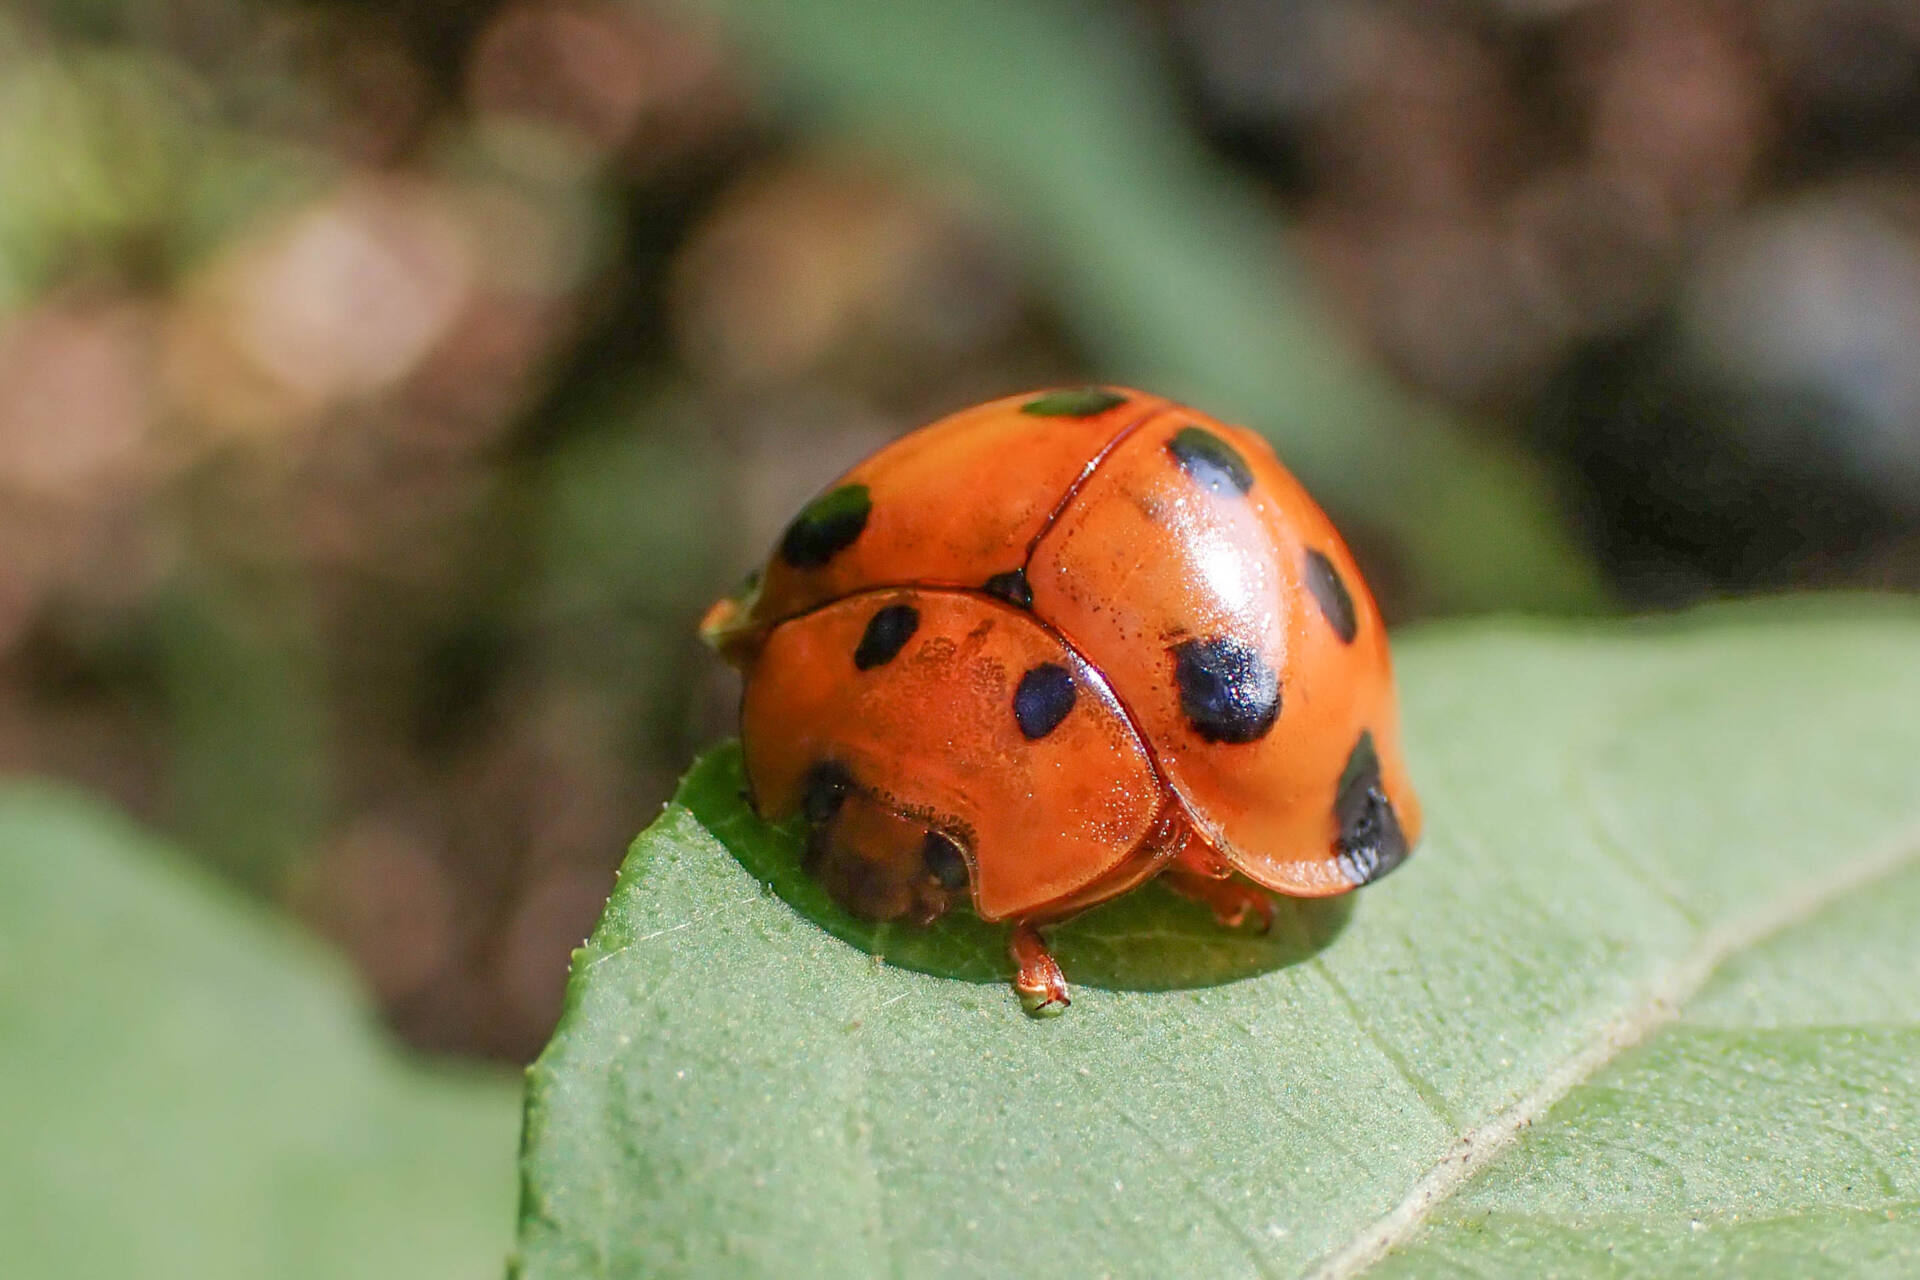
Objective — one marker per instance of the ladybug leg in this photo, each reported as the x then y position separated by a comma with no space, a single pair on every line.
1231,901
1039,983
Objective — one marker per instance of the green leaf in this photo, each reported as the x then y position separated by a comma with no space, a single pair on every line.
243,704
1176,275
1613,818
189,1088
1770,1130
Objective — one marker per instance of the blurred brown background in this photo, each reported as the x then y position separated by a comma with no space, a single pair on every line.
384,388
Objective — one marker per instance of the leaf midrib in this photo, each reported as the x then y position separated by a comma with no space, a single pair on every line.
1661,1003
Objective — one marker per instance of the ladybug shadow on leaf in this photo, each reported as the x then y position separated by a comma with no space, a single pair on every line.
1147,940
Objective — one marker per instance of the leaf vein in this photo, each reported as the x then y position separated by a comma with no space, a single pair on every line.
1662,1001
1202,1196
1422,1088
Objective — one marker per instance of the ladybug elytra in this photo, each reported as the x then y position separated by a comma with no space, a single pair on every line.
1048,648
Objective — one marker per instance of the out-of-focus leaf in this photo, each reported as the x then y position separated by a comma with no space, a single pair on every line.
243,700
734,1090
627,556
627,512
190,1089
120,149
92,148
1175,275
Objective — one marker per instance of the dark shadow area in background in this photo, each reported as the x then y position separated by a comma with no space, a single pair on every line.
1147,940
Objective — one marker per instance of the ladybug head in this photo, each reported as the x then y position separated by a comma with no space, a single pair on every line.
877,862
729,627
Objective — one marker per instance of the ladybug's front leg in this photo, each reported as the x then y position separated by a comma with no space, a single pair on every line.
1041,986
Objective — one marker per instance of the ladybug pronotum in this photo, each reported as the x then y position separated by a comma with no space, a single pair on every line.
1039,652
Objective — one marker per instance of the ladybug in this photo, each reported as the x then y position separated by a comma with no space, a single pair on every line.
1046,649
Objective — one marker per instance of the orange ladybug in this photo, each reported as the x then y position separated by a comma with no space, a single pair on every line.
1041,651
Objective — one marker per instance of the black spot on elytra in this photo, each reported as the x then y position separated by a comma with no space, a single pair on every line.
1073,402
826,527
1370,842
1045,696
944,859
824,789
887,631
1011,586
1331,591
1227,691
1215,465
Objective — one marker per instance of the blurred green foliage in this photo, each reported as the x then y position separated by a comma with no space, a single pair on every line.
118,152
191,1089
1173,273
